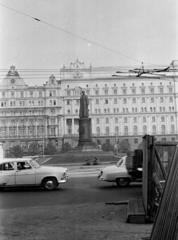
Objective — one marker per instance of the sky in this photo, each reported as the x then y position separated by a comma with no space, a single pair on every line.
98,32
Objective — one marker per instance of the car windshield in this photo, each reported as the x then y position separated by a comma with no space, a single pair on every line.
119,163
34,164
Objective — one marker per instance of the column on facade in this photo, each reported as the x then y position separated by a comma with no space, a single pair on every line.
17,126
112,132
111,105
72,106
158,127
119,104
58,125
102,127
101,106
140,129
130,125
73,131
36,127
148,104
148,125
167,125
93,126
8,125
121,126
157,105
64,126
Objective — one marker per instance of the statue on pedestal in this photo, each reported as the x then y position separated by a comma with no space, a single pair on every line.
84,102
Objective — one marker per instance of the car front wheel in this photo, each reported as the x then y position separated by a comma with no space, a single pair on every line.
49,184
122,182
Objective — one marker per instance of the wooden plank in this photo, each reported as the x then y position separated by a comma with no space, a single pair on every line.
140,206
136,209
135,213
165,225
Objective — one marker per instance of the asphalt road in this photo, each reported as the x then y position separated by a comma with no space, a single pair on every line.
78,190
75,210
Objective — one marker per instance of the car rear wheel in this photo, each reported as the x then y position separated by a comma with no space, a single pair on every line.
1,189
49,184
122,182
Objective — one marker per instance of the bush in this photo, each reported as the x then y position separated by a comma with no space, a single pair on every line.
66,147
107,147
17,151
34,149
124,146
50,149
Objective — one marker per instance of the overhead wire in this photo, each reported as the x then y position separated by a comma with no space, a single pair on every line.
73,34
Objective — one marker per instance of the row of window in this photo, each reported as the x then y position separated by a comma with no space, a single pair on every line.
97,101
134,119
125,100
133,110
30,121
30,103
26,113
135,130
106,91
22,94
23,132
125,110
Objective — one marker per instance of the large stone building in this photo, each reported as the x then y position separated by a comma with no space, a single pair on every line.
120,107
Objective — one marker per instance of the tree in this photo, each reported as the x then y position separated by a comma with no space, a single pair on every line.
17,151
50,149
106,147
124,146
66,147
34,149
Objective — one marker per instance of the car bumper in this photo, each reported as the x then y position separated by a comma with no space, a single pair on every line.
64,180
100,178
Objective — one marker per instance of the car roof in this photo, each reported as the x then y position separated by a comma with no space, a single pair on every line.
6,160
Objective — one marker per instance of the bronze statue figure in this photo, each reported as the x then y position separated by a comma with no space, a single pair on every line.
84,102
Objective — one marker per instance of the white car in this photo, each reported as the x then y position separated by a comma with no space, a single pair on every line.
118,173
27,172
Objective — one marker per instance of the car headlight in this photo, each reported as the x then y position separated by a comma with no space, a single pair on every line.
64,176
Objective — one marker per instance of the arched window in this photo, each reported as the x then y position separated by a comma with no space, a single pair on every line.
154,129
126,130
144,129
135,130
172,128
98,131
163,129
116,130
117,110
107,130
114,110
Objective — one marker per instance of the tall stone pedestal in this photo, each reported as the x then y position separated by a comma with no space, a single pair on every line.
84,132
85,140
86,149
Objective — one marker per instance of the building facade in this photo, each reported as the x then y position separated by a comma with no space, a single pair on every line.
120,107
